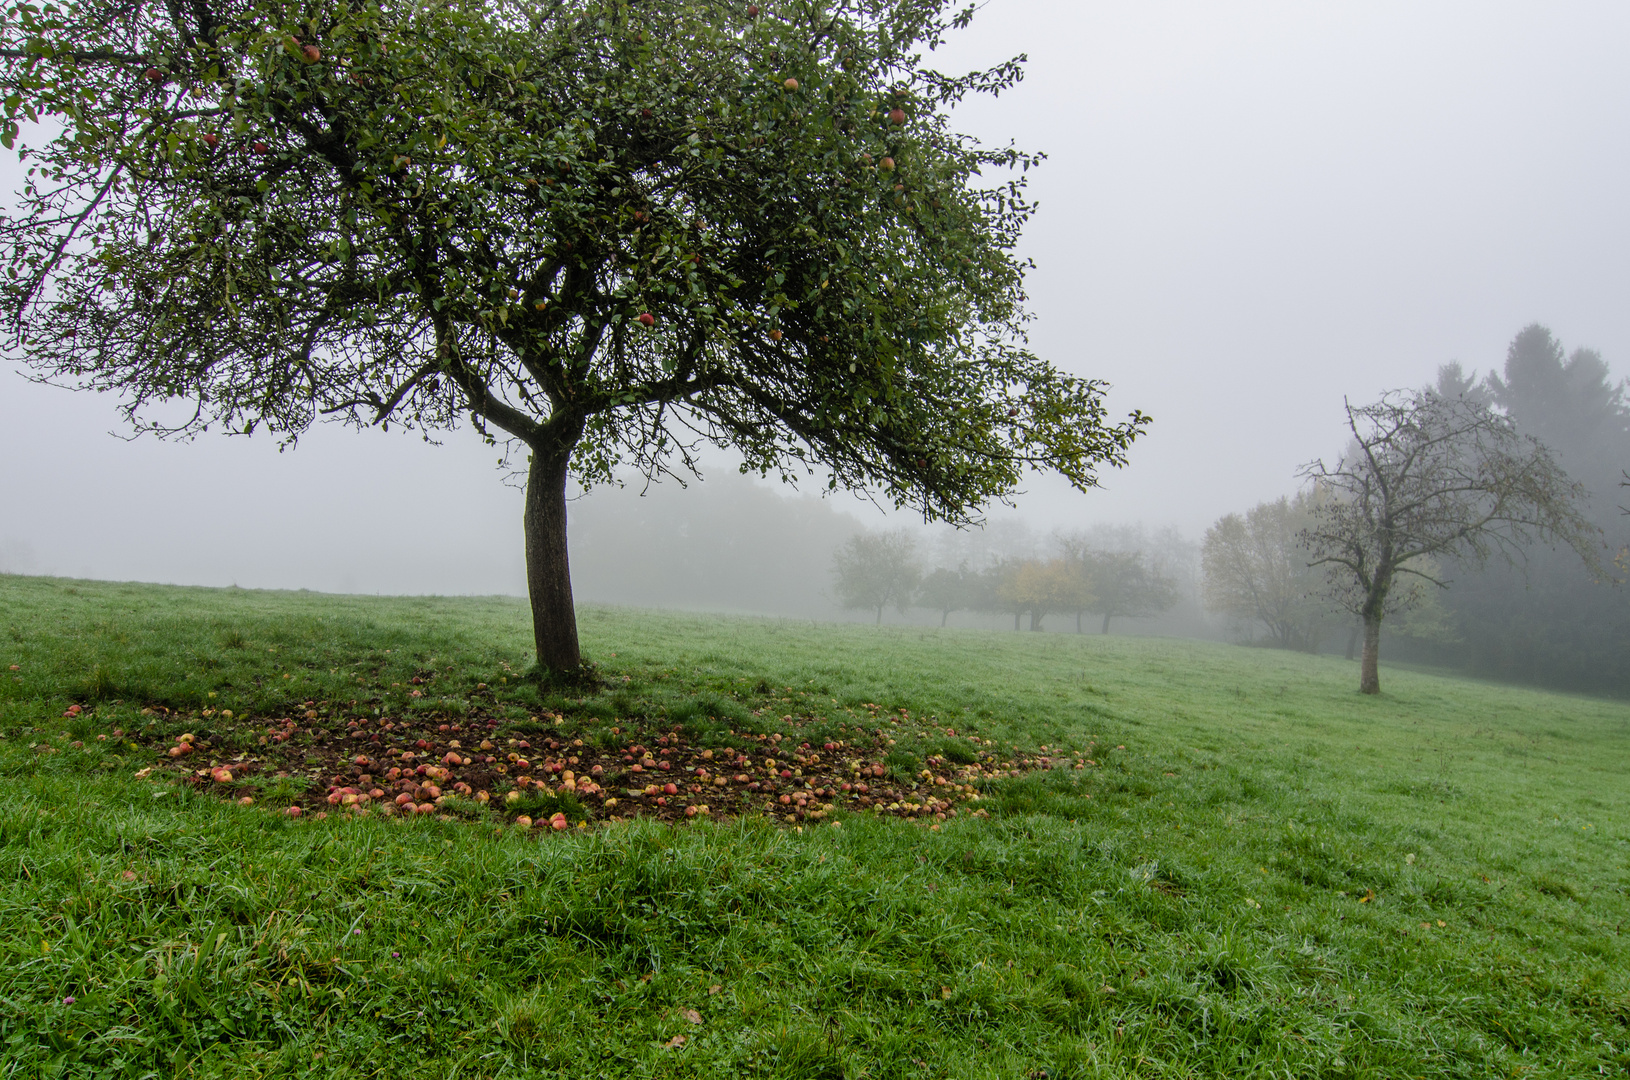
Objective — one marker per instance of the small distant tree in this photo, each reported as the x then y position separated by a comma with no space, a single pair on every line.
1040,587
1431,477
877,570
945,590
1120,584
1256,569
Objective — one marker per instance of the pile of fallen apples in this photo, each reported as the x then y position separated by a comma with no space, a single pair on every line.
409,767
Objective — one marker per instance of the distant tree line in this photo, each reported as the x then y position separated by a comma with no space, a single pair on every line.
876,571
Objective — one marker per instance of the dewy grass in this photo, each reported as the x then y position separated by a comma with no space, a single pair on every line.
1275,877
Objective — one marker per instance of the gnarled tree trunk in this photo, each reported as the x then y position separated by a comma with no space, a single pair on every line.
1369,671
548,573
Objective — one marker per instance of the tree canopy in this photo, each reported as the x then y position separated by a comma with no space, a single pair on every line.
613,230
877,570
1257,570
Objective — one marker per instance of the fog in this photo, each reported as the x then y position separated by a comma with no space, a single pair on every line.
1248,212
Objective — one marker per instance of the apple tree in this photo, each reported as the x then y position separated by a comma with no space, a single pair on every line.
612,231
1429,477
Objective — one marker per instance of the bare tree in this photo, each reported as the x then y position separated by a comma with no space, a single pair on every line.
1257,570
877,570
1428,477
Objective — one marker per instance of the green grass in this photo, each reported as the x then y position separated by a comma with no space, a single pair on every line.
1276,876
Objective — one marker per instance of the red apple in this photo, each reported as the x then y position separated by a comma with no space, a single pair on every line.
775,335
752,11
313,53
791,84
154,75
897,116
259,147
647,319
887,164
670,789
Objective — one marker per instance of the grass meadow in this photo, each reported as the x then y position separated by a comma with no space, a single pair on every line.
1264,874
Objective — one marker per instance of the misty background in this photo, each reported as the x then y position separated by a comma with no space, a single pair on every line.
1249,211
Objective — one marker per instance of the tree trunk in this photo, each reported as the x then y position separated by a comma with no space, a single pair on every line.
1352,641
1105,630
1015,620
1369,671
1035,619
879,621
944,616
548,575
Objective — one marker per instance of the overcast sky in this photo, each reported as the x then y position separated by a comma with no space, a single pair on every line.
1248,211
